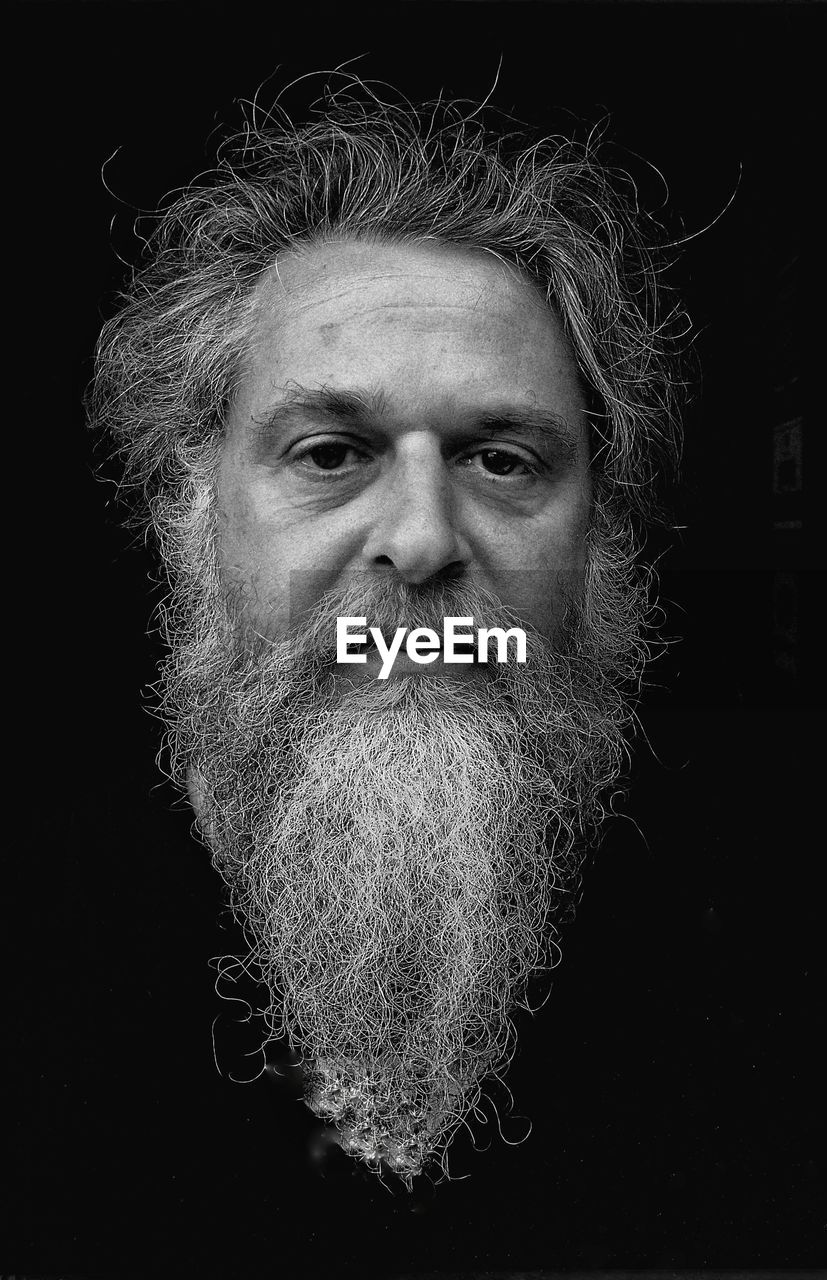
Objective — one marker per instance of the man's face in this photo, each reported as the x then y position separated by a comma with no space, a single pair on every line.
408,443
412,412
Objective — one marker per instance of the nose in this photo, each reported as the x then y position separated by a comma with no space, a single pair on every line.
415,530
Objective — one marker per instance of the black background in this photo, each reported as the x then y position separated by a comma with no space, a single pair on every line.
672,1077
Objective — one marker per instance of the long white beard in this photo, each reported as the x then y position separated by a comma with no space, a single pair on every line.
396,850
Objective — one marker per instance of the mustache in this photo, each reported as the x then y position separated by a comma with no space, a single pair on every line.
387,604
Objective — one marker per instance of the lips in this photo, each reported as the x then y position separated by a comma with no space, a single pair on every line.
368,647
373,658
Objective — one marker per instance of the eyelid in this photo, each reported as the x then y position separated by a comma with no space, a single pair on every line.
307,446
534,466
504,446
527,457
302,449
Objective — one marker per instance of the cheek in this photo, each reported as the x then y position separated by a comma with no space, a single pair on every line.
237,524
567,582
551,600
272,572
553,576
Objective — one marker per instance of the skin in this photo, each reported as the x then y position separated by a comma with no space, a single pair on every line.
420,488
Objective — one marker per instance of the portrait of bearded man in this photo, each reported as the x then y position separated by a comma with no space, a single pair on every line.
391,364
447,965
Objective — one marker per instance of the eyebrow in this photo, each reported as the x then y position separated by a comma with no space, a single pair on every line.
342,405
367,408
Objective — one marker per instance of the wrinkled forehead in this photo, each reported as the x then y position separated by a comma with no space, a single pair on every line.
430,326
358,278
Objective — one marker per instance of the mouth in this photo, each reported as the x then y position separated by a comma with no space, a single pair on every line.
375,661
369,648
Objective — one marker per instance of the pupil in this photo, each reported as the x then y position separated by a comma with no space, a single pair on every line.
329,456
500,463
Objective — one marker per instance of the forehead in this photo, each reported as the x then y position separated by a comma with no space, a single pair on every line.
421,322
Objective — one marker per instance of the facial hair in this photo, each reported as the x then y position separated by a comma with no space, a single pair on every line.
397,851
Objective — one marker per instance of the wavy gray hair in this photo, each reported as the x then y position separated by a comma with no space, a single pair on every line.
168,363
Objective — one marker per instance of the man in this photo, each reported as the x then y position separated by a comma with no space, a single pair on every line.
391,366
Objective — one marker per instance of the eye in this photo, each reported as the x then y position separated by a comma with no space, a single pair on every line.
502,463
328,456
498,462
